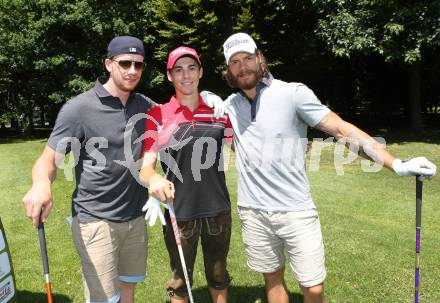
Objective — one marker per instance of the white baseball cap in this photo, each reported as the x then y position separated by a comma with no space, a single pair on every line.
239,42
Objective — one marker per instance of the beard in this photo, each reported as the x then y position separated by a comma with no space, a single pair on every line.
251,81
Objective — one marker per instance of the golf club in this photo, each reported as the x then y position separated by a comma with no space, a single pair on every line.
179,247
419,187
45,260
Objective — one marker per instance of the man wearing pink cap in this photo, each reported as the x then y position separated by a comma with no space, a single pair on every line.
189,139
270,118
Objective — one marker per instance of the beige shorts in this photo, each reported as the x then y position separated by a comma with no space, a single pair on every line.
110,252
266,235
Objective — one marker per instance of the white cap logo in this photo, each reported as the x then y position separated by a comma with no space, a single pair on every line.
132,49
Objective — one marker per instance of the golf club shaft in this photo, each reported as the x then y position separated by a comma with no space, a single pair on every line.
179,247
419,187
45,260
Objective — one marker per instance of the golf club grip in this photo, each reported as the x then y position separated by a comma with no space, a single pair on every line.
419,188
43,248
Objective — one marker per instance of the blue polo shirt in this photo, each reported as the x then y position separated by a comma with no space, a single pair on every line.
101,134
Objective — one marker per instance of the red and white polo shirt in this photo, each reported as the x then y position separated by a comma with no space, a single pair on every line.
190,146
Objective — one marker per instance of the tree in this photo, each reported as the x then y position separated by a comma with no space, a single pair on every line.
399,31
200,24
53,50
282,29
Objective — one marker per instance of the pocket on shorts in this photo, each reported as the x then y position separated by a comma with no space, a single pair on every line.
187,229
90,231
243,212
214,226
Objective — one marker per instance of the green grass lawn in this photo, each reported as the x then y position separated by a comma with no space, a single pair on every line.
367,221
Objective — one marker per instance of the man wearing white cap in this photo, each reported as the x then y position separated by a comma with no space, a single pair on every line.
270,119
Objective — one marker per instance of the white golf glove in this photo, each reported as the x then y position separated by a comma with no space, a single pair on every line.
153,211
213,101
416,166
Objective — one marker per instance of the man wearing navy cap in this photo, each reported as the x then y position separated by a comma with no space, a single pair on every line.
100,127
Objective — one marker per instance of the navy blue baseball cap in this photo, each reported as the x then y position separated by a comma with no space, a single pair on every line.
125,45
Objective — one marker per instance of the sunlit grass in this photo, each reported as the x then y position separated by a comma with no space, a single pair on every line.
367,221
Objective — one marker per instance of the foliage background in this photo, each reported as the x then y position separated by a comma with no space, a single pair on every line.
375,62
366,59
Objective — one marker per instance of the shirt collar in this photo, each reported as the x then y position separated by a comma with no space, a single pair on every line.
176,106
267,80
264,82
101,92
99,89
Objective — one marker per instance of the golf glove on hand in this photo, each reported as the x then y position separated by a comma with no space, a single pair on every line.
153,211
213,101
416,166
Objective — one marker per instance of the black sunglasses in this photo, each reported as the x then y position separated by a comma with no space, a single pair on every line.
126,64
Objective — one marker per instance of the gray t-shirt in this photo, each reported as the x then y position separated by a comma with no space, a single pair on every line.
101,134
270,137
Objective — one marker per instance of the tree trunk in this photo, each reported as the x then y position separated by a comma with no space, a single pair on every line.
415,109
42,121
14,123
29,128
30,115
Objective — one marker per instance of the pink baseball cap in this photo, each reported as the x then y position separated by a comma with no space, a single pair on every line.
180,52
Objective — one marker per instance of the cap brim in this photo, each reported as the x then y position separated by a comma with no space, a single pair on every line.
169,66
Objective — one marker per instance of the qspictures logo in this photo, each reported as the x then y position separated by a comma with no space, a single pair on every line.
7,290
